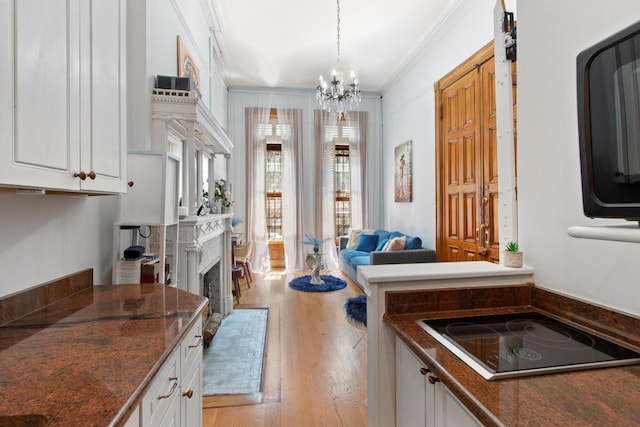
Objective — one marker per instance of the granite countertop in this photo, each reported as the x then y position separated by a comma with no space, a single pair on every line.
596,397
86,359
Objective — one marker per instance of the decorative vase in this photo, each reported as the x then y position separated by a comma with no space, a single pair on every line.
217,207
513,259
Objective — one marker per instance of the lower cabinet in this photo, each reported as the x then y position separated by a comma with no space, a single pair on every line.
421,399
174,397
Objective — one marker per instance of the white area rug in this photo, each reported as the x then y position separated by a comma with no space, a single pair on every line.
233,362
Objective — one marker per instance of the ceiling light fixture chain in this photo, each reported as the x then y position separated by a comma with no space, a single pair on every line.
333,99
338,28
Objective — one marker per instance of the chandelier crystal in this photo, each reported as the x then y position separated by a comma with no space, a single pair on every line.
335,97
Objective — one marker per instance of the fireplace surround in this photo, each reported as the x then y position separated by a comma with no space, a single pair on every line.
204,245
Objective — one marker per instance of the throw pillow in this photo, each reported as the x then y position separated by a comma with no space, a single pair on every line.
381,244
354,237
397,243
367,243
413,243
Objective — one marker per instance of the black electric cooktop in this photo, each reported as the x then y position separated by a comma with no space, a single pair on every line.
522,344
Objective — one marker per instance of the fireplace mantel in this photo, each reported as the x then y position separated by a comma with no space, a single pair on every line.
204,242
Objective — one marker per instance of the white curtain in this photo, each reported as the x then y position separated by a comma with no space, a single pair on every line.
257,119
356,122
290,131
351,131
326,132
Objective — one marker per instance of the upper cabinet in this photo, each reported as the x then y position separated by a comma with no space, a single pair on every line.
63,109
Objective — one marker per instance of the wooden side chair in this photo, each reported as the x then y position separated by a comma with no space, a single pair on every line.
236,274
242,253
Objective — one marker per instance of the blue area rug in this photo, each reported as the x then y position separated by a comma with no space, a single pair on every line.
356,309
331,283
232,364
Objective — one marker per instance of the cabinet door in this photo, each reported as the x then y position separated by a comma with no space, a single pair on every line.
450,412
63,109
191,395
103,95
39,132
134,419
411,398
172,416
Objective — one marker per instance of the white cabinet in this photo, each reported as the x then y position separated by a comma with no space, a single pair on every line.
134,418
421,399
154,195
63,109
174,397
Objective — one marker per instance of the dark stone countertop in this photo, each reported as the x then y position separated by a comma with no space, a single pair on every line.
596,397
85,359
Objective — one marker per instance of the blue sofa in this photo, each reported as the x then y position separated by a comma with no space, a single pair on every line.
413,252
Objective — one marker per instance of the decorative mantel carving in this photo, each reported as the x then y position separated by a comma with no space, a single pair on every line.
204,242
186,106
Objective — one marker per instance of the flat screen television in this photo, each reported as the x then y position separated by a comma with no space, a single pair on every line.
609,125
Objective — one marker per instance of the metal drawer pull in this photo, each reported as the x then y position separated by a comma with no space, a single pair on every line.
173,388
433,379
188,394
198,343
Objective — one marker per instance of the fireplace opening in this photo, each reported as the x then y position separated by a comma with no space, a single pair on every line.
211,287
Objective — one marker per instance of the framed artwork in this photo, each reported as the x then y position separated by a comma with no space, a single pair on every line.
403,186
186,65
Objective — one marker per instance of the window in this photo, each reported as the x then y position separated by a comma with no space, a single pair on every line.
273,181
342,190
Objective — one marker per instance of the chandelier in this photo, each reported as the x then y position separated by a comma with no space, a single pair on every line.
334,97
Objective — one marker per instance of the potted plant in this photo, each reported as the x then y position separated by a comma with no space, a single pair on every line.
512,255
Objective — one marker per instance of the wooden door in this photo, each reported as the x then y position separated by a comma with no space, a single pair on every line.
488,192
460,168
467,162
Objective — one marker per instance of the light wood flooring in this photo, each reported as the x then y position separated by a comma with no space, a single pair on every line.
312,374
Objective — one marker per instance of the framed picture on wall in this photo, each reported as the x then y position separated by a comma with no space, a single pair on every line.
186,65
403,185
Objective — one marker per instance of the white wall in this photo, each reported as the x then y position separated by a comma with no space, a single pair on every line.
153,27
47,237
550,35
408,113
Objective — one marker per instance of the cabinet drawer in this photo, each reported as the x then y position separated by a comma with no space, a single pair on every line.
160,394
191,345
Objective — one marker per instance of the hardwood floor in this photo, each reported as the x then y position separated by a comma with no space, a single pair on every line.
312,374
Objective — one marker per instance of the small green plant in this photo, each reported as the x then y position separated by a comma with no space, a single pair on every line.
512,246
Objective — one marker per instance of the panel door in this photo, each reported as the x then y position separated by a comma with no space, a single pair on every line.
461,168
488,191
39,130
103,95
411,408
467,162
191,395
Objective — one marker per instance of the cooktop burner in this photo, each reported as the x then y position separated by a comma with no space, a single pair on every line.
521,344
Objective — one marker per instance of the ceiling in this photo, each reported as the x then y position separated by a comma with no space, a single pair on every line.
289,43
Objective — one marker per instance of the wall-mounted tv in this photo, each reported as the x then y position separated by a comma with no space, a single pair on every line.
609,125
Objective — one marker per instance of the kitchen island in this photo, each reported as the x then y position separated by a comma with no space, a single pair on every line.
594,397
87,354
